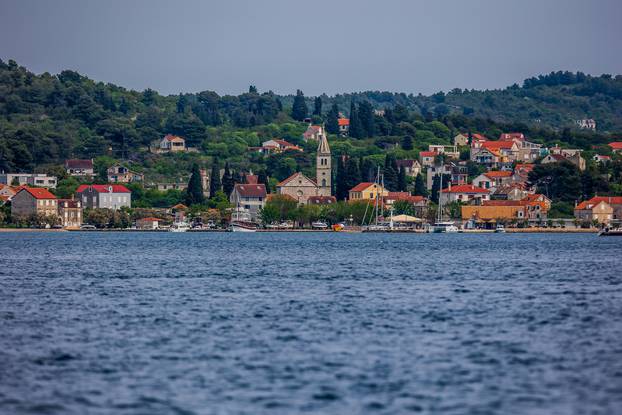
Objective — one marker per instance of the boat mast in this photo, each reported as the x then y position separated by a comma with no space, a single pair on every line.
440,200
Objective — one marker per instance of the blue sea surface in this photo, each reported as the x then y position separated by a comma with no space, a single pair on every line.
318,323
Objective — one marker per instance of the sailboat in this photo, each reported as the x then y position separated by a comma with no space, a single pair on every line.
238,225
441,226
378,207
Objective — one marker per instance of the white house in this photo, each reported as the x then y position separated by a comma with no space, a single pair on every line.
466,193
108,196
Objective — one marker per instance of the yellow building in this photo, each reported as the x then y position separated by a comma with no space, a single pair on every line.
367,191
589,211
487,213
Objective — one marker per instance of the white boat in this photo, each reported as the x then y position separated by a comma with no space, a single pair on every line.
500,228
445,227
179,227
610,232
441,226
239,226
319,225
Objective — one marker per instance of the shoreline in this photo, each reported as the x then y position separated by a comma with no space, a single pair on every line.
414,231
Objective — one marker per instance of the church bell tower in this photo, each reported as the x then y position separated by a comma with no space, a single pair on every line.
323,170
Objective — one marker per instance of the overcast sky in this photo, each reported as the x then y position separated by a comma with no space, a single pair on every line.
318,46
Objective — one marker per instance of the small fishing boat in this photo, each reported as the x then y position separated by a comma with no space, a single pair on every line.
319,225
445,227
239,226
179,227
337,227
500,228
610,232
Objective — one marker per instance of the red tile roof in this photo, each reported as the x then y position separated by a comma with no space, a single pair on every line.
293,176
465,188
612,200
344,121
250,190
616,145
428,154
150,219
170,137
104,188
478,137
361,186
495,174
496,145
38,192
78,164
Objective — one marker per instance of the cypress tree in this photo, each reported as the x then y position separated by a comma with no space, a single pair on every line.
366,117
299,109
353,174
341,191
332,120
317,104
407,142
194,192
401,179
214,183
420,187
356,130
390,172
227,181
368,170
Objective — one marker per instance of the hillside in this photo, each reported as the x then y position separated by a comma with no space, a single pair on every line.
46,118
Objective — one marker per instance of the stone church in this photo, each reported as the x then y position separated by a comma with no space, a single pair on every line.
300,187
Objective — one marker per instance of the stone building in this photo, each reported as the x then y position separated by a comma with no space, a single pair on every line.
300,187
33,200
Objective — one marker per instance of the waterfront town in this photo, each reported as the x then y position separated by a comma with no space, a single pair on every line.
477,182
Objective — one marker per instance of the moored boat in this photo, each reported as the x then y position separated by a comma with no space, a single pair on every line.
179,227
319,225
444,227
610,232
239,226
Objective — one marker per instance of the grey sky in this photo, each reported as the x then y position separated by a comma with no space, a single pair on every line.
318,46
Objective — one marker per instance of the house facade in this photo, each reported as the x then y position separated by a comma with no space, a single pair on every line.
427,158
614,201
599,211
70,213
28,179
313,133
121,174
466,193
367,191
277,146
104,196
148,224
34,201
79,168
249,198
172,144
493,179
411,167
